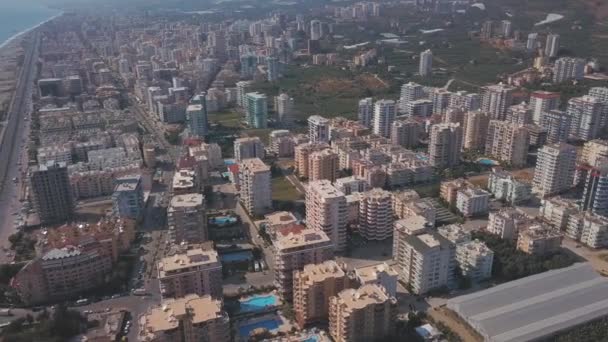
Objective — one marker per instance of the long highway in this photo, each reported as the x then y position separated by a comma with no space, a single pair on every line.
13,157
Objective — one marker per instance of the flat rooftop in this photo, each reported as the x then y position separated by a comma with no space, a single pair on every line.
536,306
187,261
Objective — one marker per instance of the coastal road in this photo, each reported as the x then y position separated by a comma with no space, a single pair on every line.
13,158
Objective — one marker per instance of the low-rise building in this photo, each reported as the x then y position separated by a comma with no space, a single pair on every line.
557,210
505,187
448,190
507,222
380,274
472,202
590,229
474,259
539,240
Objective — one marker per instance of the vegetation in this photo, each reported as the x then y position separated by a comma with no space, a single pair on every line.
511,263
24,246
172,137
590,332
60,325
283,190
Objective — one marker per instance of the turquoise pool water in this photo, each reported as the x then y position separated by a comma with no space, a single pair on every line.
270,324
223,220
229,162
257,303
487,162
236,256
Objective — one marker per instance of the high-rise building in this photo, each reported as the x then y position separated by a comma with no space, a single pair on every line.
284,106
568,68
281,143
552,45
406,133
496,99
272,69
586,113
601,93
366,111
295,248
557,123
541,102
318,129
466,101
594,151
532,42
50,188
520,114
555,168
313,287
128,197
187,319
242,89
323,164
187,219
506,28
445,144
475,130
410,92
441,100
196,116
316,29
364,314
255,187
326,210
257,110
302,154
425,261
191,271
384,115
375,214
487,30
595,195
249,63
426,63
250,147
507,142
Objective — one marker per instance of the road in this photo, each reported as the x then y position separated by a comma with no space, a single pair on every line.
14,139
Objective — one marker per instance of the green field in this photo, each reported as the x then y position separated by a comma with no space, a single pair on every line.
283,190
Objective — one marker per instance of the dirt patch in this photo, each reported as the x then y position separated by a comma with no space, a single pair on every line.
599,8
334,85
371,82
455,323
525,175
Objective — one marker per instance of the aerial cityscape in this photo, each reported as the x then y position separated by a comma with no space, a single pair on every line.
306,171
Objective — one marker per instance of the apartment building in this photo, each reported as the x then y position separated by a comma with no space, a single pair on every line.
128,197
472,202
507,222
590,229
295,248
496,99
189,319
384,115
255,188
505,187
445,144
542,102
380,274
586,114
313,286
593,151
51,191
555,167
474,259
539,239
375,214
246,148
323,165
281,143
455,233
326,210
448,190
257,110
349,185
475,130
192,271
425,261
318,129
363,314
406,133
507,142
302,154
186,219
556,211
63,273
568,68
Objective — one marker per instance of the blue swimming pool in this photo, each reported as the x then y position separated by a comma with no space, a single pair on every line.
229,162
223,220
270,324
258,303
236,256
487,162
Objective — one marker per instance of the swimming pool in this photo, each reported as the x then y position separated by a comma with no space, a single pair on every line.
487,162
229,162
270,324
258,303
223,220
236,256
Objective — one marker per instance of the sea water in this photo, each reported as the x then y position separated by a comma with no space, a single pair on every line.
19,16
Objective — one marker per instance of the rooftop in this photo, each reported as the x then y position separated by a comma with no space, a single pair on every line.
191,258
254,165
168,316
325,189
319,272
370,273
370,294
302,237
186,200
535,306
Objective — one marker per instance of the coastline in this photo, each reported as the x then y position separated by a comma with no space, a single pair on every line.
29,30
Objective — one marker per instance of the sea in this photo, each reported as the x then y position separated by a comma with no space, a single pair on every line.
18,16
